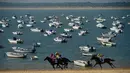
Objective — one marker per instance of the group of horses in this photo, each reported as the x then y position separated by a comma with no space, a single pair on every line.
63,62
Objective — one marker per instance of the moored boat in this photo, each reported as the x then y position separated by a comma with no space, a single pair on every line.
80,63
16,55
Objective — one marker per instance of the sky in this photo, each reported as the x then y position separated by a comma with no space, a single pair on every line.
57,1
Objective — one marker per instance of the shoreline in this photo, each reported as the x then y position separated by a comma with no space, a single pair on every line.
116,70
63,8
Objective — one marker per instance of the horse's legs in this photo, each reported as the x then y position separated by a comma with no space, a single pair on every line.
110,64
95,64
53,67
60,67
65,65
100,66
113,65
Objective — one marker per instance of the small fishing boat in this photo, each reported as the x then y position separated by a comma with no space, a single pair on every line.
28,50
99,25
68,29
50,32
108,44
102,39
15,41
34,58
17,33
37,44
29,25
60,39
82,32
80,63
66,35
109,34
1,30
20,26
71,24
128,23
87,48
16,55
76,27
87,54
14,17
36,29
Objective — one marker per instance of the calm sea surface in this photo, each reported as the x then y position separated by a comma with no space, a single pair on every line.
121,53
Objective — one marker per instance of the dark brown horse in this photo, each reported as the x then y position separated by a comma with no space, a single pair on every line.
106,60
62,63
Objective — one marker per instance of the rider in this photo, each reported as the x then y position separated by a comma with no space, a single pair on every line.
53,57
100,56
58,55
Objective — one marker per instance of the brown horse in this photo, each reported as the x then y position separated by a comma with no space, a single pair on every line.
106,60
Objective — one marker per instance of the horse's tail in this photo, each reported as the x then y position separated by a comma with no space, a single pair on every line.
112,60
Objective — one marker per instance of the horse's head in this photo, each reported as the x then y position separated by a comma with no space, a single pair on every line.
46,58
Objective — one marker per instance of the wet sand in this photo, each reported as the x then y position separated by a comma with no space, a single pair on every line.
121,70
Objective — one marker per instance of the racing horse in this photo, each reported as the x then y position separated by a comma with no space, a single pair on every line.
99,62
62,63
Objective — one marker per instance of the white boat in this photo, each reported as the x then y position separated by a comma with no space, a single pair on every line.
28,50
42,21
82,33
99,25
35,30
37,44
16,55
55,24
34,58
71,24
115,23
109,34
49,32
102,39
129,23
20,21
87,48
14,17
29,25
100,20
4,24
66,35
1,30
76,27
87,54
17,33
12,41
68,29
80,63
108,44
20,26
116,29
60,39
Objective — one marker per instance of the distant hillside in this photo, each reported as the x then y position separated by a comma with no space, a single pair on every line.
81,4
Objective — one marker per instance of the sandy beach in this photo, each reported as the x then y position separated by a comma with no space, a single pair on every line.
61,8
69,71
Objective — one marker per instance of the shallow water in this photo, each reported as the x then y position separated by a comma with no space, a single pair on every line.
70,49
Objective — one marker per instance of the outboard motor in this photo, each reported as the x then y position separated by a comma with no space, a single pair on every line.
14,38
33,49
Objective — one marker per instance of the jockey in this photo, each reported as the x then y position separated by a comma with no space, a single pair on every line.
58,55
100,56
53,57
